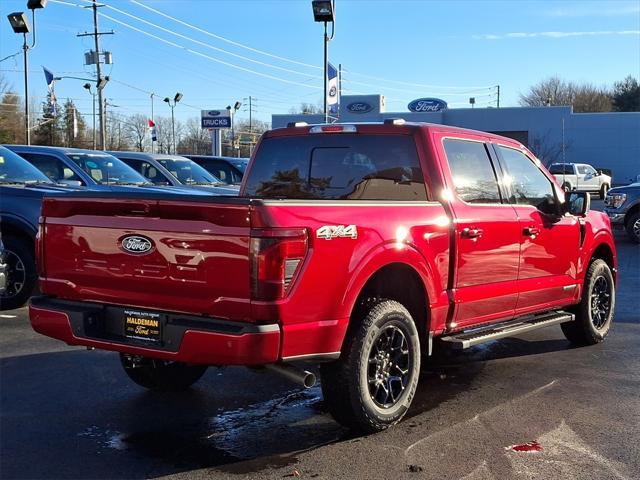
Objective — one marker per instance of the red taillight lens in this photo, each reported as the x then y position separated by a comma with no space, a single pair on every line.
276,257
39,250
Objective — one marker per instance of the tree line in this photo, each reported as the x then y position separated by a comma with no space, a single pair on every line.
623,96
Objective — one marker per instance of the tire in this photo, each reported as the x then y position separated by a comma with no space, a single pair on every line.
633,227
594,313
161,375
360,389
21,272
603,191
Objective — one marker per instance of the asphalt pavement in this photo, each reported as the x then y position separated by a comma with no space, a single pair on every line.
68,413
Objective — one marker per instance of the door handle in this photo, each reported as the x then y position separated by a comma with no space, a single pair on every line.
531,231
472,232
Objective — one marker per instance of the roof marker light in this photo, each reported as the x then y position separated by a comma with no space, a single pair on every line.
333,129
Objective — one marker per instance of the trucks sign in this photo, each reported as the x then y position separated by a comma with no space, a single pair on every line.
215,118
427,105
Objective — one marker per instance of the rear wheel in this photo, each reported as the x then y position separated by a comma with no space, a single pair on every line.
161,375
594,313
603,191
633,227
373,383
21,272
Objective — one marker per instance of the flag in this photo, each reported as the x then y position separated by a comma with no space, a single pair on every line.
333,95
75,124
48,76
152,131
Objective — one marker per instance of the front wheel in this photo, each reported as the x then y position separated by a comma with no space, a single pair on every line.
594,313
373,383
161,375
633,227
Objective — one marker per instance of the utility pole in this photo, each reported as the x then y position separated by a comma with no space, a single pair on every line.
96,36
152,146
498,86
250,108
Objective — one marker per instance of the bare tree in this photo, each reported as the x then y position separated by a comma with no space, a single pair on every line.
136,128
547,150
196,140
307,109
555,91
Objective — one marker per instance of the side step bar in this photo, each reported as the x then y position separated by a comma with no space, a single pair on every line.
469,338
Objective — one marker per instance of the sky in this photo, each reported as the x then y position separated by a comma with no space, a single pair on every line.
218,52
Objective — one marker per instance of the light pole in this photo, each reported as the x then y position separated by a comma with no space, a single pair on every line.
176,99
324,11
20,24
236,107
87,86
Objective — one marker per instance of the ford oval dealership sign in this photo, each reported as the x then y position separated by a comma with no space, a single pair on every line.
427,105
359,107
215,118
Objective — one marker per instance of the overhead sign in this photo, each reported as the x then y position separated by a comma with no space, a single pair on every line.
427,105
359,107
215,118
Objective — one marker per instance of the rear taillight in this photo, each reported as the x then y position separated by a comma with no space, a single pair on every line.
276,258
39,250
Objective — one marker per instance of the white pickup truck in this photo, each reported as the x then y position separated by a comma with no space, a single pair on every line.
580,177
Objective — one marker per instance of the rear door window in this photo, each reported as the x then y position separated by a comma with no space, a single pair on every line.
474,178
341,166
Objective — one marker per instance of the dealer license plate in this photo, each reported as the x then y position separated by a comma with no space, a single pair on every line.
143,325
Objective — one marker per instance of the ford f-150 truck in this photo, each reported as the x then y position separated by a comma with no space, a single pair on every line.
352,246
580,177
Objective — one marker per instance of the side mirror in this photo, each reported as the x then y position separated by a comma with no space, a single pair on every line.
578,204
598,172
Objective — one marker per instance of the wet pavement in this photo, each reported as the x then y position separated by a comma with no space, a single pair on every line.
525,407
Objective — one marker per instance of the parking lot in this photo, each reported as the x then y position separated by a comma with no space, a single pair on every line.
71,413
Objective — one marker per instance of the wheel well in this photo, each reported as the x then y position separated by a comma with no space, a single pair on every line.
8,229
604,252
399,282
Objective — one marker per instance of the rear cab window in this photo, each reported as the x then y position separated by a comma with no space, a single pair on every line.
337,167
54,168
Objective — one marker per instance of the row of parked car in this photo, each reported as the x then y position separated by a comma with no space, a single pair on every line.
28,173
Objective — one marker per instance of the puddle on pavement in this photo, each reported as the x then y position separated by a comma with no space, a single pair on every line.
264,435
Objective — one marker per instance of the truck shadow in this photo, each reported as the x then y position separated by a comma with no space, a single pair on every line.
74,414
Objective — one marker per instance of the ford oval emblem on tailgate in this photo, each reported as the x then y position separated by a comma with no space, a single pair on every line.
136,244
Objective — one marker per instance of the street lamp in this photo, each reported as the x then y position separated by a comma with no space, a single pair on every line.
87,86
176,99
20,24
324,12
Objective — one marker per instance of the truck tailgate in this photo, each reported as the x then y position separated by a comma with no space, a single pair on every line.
184,256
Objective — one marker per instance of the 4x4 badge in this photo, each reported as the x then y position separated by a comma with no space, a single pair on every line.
335,231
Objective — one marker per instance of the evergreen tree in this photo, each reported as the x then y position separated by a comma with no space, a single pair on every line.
49,130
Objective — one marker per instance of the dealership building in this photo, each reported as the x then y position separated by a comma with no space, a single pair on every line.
608,140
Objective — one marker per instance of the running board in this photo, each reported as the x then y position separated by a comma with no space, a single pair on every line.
469,338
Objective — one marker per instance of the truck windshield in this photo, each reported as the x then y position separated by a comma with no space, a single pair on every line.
338,167
107,169
188,172
15,169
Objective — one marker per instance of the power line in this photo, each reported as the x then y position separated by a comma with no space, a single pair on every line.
269,65
237,44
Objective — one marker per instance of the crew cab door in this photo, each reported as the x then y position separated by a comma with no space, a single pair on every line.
487,235
588,177
549,243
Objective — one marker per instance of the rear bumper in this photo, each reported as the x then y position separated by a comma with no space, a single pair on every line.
185,338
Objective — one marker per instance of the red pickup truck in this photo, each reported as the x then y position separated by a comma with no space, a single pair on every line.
355,247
